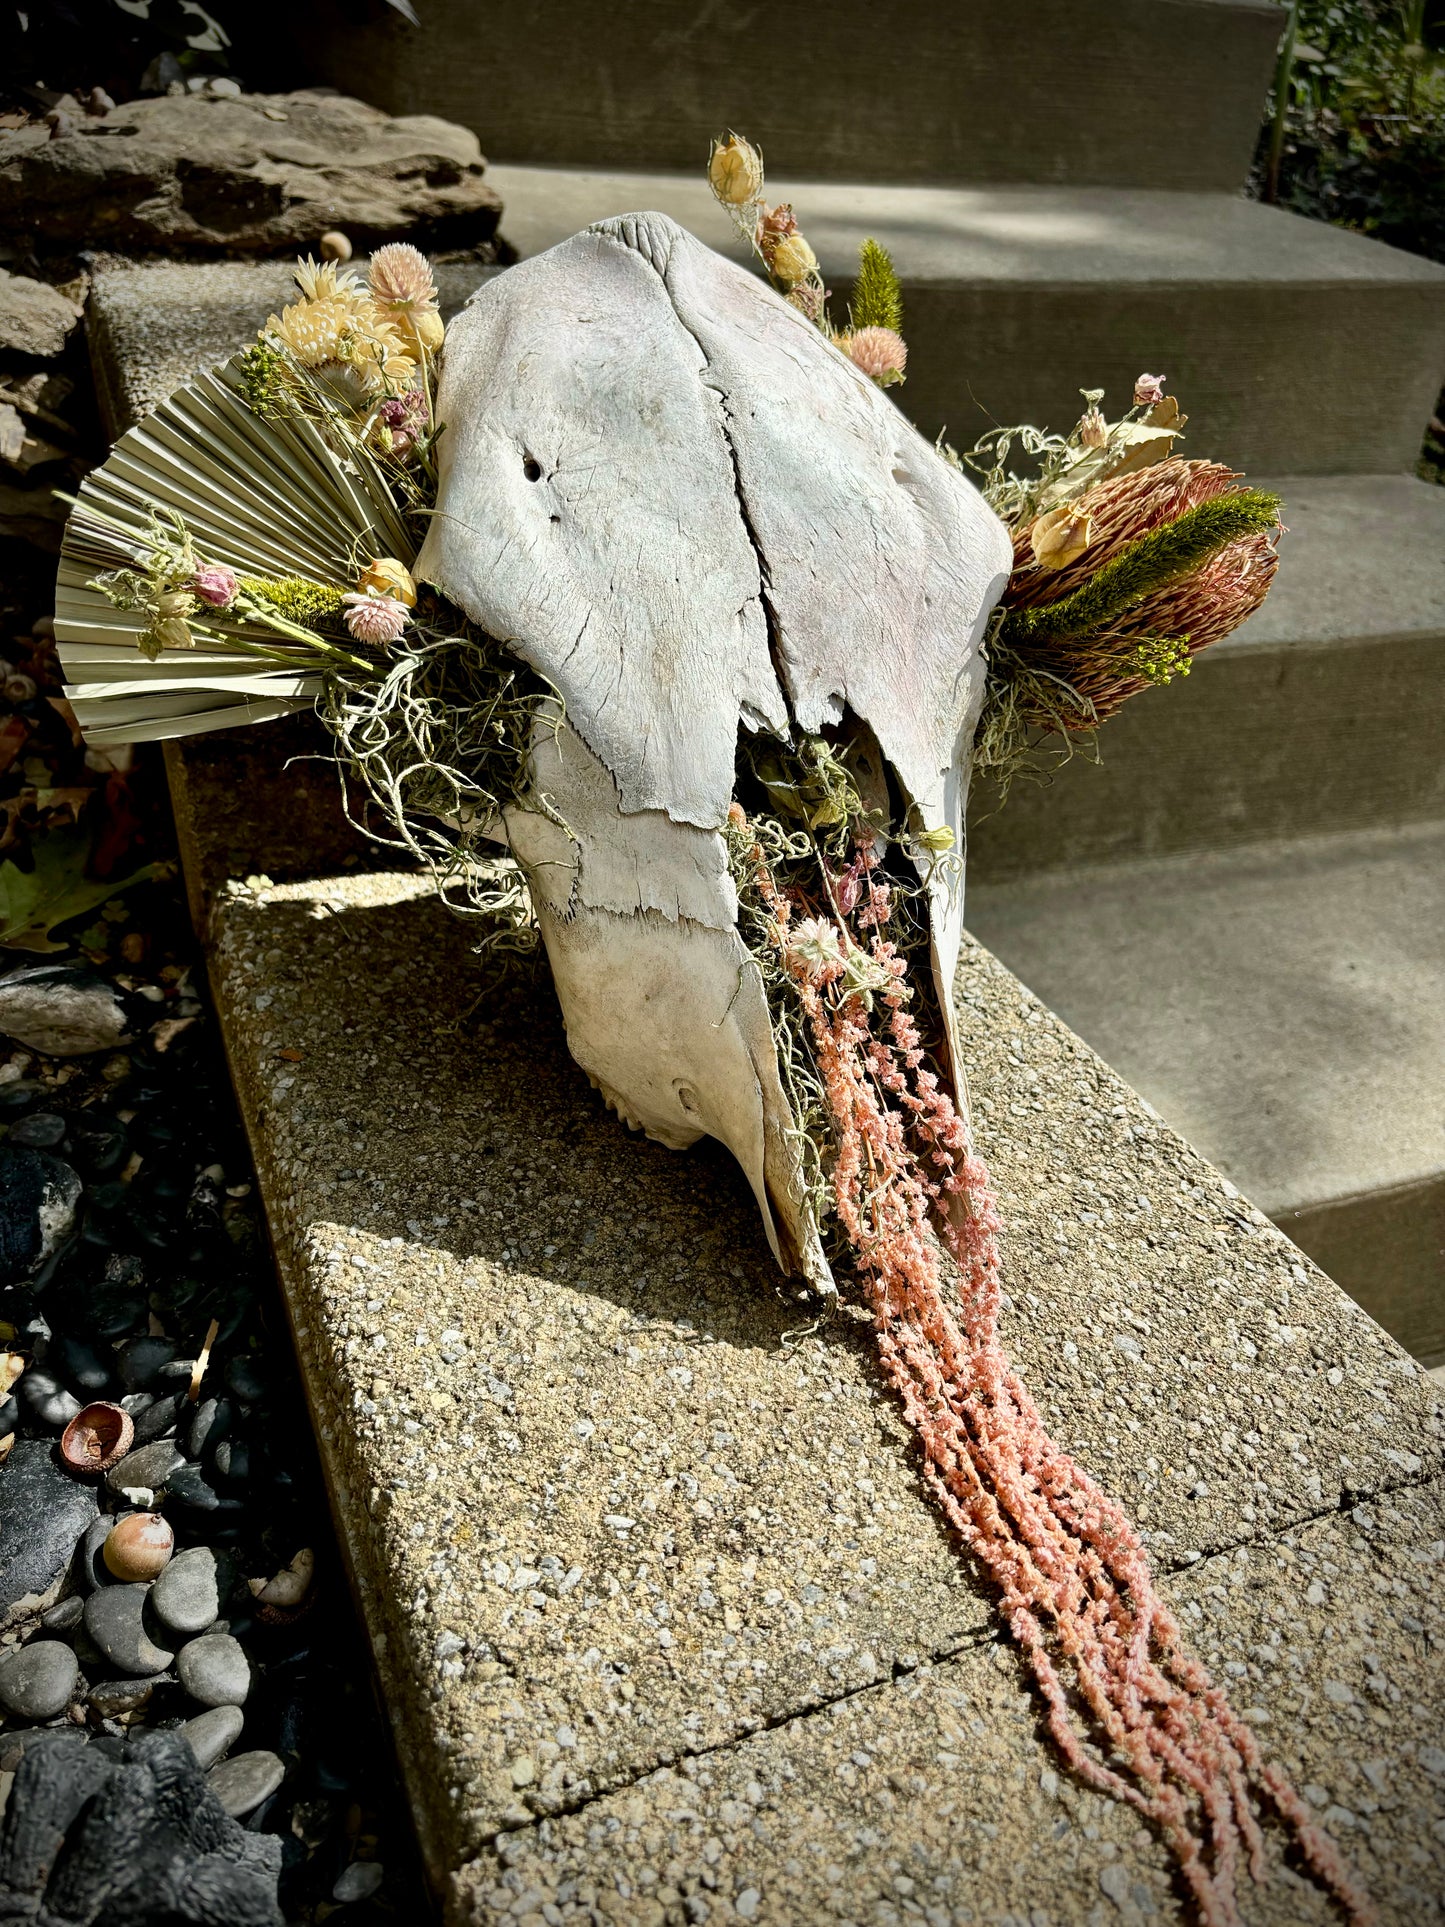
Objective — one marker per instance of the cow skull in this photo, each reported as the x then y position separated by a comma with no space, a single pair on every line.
687,510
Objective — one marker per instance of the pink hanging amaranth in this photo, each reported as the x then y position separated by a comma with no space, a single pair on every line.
1131,1710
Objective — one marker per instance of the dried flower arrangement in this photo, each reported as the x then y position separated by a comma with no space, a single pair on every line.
250,549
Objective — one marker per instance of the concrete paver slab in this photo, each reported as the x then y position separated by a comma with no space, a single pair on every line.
606,1500
932,1797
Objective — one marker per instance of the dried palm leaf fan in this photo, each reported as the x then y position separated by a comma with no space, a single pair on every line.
729,744
272,501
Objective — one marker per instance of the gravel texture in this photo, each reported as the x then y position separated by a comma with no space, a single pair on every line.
609,1500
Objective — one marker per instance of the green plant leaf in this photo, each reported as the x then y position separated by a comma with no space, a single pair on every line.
34,902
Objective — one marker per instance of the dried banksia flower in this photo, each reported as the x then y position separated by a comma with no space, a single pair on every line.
1060,537
735,171
376,619
879,352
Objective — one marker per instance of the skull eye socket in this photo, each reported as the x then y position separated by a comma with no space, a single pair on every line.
531,468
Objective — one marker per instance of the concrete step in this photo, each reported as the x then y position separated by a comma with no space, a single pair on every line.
1106,91
1295,347
1324,712
1283,1006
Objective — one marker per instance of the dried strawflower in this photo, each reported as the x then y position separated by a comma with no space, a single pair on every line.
385,576
338,330
377,619
792,260
879,352
1149,390
215,584
1060,537
735,171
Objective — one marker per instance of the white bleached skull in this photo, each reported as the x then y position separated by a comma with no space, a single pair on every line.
684,507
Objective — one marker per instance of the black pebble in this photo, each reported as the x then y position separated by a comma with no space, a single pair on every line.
42,1130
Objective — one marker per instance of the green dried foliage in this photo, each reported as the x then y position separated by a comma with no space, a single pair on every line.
436,744
1156,560
877,298
311,604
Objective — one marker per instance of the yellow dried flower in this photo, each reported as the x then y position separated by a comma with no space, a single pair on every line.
735,171
1060,537
384,575
343,325
793,260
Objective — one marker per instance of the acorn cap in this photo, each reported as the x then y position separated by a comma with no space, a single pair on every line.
97,1438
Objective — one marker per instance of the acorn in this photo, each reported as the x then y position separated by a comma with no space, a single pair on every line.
335,246
138,1546
97,1438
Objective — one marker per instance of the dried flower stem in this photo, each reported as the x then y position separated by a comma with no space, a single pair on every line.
1133,1713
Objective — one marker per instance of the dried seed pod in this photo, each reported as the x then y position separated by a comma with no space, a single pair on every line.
138,1546
98,1437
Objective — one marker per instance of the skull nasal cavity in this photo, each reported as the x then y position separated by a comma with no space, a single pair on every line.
531,468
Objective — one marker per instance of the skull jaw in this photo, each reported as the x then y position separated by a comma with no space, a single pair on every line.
669,1021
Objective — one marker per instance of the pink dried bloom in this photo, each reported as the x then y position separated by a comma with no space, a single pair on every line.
880,353
375,619
1149,390
215,584
807,299
1131,1710
400,276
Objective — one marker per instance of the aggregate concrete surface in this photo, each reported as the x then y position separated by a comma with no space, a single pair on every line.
613,1506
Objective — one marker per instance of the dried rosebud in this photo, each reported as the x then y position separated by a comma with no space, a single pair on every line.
377,619
735,171
879,352
776,223
1149,390
384,575
792,260
1060,537
215,584
335,246
1093,430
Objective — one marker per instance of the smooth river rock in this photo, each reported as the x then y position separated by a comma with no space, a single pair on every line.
210,1736
114,1619
37,1681
215,1670
242,1783
43,1511
189,1594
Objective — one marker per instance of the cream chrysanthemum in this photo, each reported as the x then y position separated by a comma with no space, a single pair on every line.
336,325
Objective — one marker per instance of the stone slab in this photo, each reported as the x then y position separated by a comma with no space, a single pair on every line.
1285,1013
930,1796
607,1498
982,92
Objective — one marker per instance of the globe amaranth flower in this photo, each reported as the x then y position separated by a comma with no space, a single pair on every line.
881,353
375,619
1149,390
400,279
215,585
